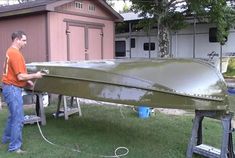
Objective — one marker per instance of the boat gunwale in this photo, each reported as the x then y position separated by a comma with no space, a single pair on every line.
205,97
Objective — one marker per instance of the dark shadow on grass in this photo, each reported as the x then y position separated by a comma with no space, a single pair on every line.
103,127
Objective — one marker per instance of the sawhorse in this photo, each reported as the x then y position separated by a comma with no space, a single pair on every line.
40,113
0,102
195,144
68,110
0,97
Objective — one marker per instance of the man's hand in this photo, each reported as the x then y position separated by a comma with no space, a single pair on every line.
30,83
39,74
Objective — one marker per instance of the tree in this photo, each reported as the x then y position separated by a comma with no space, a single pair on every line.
126,8
7,2
11,2
171,14
217,12
110,2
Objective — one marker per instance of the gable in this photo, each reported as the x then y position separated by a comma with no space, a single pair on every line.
88,8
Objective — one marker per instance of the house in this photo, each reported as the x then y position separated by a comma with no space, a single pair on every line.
61,29
195,41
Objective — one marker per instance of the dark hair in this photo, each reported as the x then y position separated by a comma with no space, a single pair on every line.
17,34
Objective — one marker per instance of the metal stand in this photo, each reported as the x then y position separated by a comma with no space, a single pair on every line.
68,110
40,113
195,144
0,97
0,103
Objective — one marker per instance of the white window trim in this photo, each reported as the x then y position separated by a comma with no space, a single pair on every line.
78,5
91,7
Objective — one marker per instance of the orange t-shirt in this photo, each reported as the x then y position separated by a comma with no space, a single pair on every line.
14,64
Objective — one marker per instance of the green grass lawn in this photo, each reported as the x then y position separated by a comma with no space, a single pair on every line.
231,68
102,129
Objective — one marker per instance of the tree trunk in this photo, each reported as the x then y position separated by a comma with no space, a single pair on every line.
163,32
163,41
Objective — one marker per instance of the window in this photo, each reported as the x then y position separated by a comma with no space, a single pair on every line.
91,7
120,48
133,43
78,5
213,35
146,46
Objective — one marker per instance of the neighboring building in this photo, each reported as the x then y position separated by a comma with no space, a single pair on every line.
61,30
195,41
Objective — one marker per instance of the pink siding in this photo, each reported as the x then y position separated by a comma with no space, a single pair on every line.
47,38
57,30
4,43
34,27
103,47
109,34
57,37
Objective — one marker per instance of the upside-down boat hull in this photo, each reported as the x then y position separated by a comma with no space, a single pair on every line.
181,83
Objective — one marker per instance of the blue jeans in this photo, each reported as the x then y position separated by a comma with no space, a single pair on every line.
13,129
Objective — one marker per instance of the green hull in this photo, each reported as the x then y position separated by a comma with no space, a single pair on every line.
171,83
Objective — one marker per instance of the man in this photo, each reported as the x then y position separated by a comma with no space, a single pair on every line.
15,77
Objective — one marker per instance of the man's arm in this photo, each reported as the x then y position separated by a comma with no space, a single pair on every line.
26,77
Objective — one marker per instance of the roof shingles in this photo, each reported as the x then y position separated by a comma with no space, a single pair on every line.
27,5
42,5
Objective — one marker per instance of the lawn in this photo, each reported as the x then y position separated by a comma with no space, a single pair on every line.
231,68
102,129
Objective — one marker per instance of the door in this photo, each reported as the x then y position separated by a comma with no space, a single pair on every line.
94,50
76,43
85,43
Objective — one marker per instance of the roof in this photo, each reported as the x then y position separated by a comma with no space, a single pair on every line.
47,5
131,16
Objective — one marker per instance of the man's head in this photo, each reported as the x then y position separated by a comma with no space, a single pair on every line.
19,39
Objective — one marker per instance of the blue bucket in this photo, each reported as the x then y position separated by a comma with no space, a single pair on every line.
231,90
143,112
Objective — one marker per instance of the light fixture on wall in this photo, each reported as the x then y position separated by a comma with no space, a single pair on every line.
67,32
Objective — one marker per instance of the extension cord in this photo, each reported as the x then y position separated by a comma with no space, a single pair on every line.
116,155
76,150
